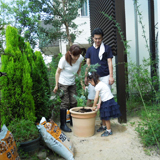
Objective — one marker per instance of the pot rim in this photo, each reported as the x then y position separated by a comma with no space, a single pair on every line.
77,108
31,141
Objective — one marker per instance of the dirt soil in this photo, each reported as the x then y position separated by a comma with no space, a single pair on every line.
124,144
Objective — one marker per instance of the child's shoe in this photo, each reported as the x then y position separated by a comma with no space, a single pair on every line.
106,133
101,129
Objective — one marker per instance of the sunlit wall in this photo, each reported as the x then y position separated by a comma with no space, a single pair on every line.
157,21
134,30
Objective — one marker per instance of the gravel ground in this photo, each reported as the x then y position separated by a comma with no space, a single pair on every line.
124,144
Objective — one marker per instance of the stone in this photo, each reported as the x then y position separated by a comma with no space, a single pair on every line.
42,155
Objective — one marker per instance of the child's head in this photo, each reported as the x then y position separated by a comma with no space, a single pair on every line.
73,54
93,78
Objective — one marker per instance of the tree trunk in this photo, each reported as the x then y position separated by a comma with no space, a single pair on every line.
68,35
66,25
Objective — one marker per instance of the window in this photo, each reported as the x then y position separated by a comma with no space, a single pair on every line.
84,9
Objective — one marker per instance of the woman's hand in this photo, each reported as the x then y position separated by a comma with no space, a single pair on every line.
55,89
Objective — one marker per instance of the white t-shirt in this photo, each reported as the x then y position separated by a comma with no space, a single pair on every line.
104,91
67,75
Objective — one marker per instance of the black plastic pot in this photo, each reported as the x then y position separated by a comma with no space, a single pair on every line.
30,146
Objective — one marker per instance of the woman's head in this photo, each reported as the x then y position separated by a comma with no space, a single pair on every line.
93,78
73,54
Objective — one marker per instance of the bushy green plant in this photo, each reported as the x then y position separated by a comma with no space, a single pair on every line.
41,88
23,130
141,75
82,94
150,122
26,89
17,100
52,69
56,101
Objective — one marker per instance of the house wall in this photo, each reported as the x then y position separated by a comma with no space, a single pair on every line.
158,25
134,31
84,26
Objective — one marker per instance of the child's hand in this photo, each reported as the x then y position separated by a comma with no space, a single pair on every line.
93,108
98,106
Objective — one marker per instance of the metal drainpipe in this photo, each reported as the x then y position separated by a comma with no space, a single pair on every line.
152,42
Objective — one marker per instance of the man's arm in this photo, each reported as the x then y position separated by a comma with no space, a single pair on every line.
111,79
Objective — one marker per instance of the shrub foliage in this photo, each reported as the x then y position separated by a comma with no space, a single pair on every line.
26,89
17,100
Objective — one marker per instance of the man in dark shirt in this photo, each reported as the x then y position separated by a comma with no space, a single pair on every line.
101,54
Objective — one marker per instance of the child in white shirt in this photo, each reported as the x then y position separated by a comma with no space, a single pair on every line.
107,105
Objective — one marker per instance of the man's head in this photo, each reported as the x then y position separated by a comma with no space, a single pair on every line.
97,36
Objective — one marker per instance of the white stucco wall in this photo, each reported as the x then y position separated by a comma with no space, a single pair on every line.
82,38
131,32
158,20
85,28
130,28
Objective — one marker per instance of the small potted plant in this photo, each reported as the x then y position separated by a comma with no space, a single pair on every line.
83,117
26,135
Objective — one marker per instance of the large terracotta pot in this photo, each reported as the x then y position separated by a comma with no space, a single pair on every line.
83,123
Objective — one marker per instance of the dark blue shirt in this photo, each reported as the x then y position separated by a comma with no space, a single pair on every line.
93,54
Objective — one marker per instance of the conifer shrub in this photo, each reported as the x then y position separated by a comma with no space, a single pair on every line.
52,71
41,87
17,100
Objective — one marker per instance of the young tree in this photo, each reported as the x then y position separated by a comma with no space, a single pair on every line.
45,20
58,16
4,20
25,21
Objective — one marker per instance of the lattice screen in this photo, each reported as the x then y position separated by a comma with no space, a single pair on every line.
97,19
